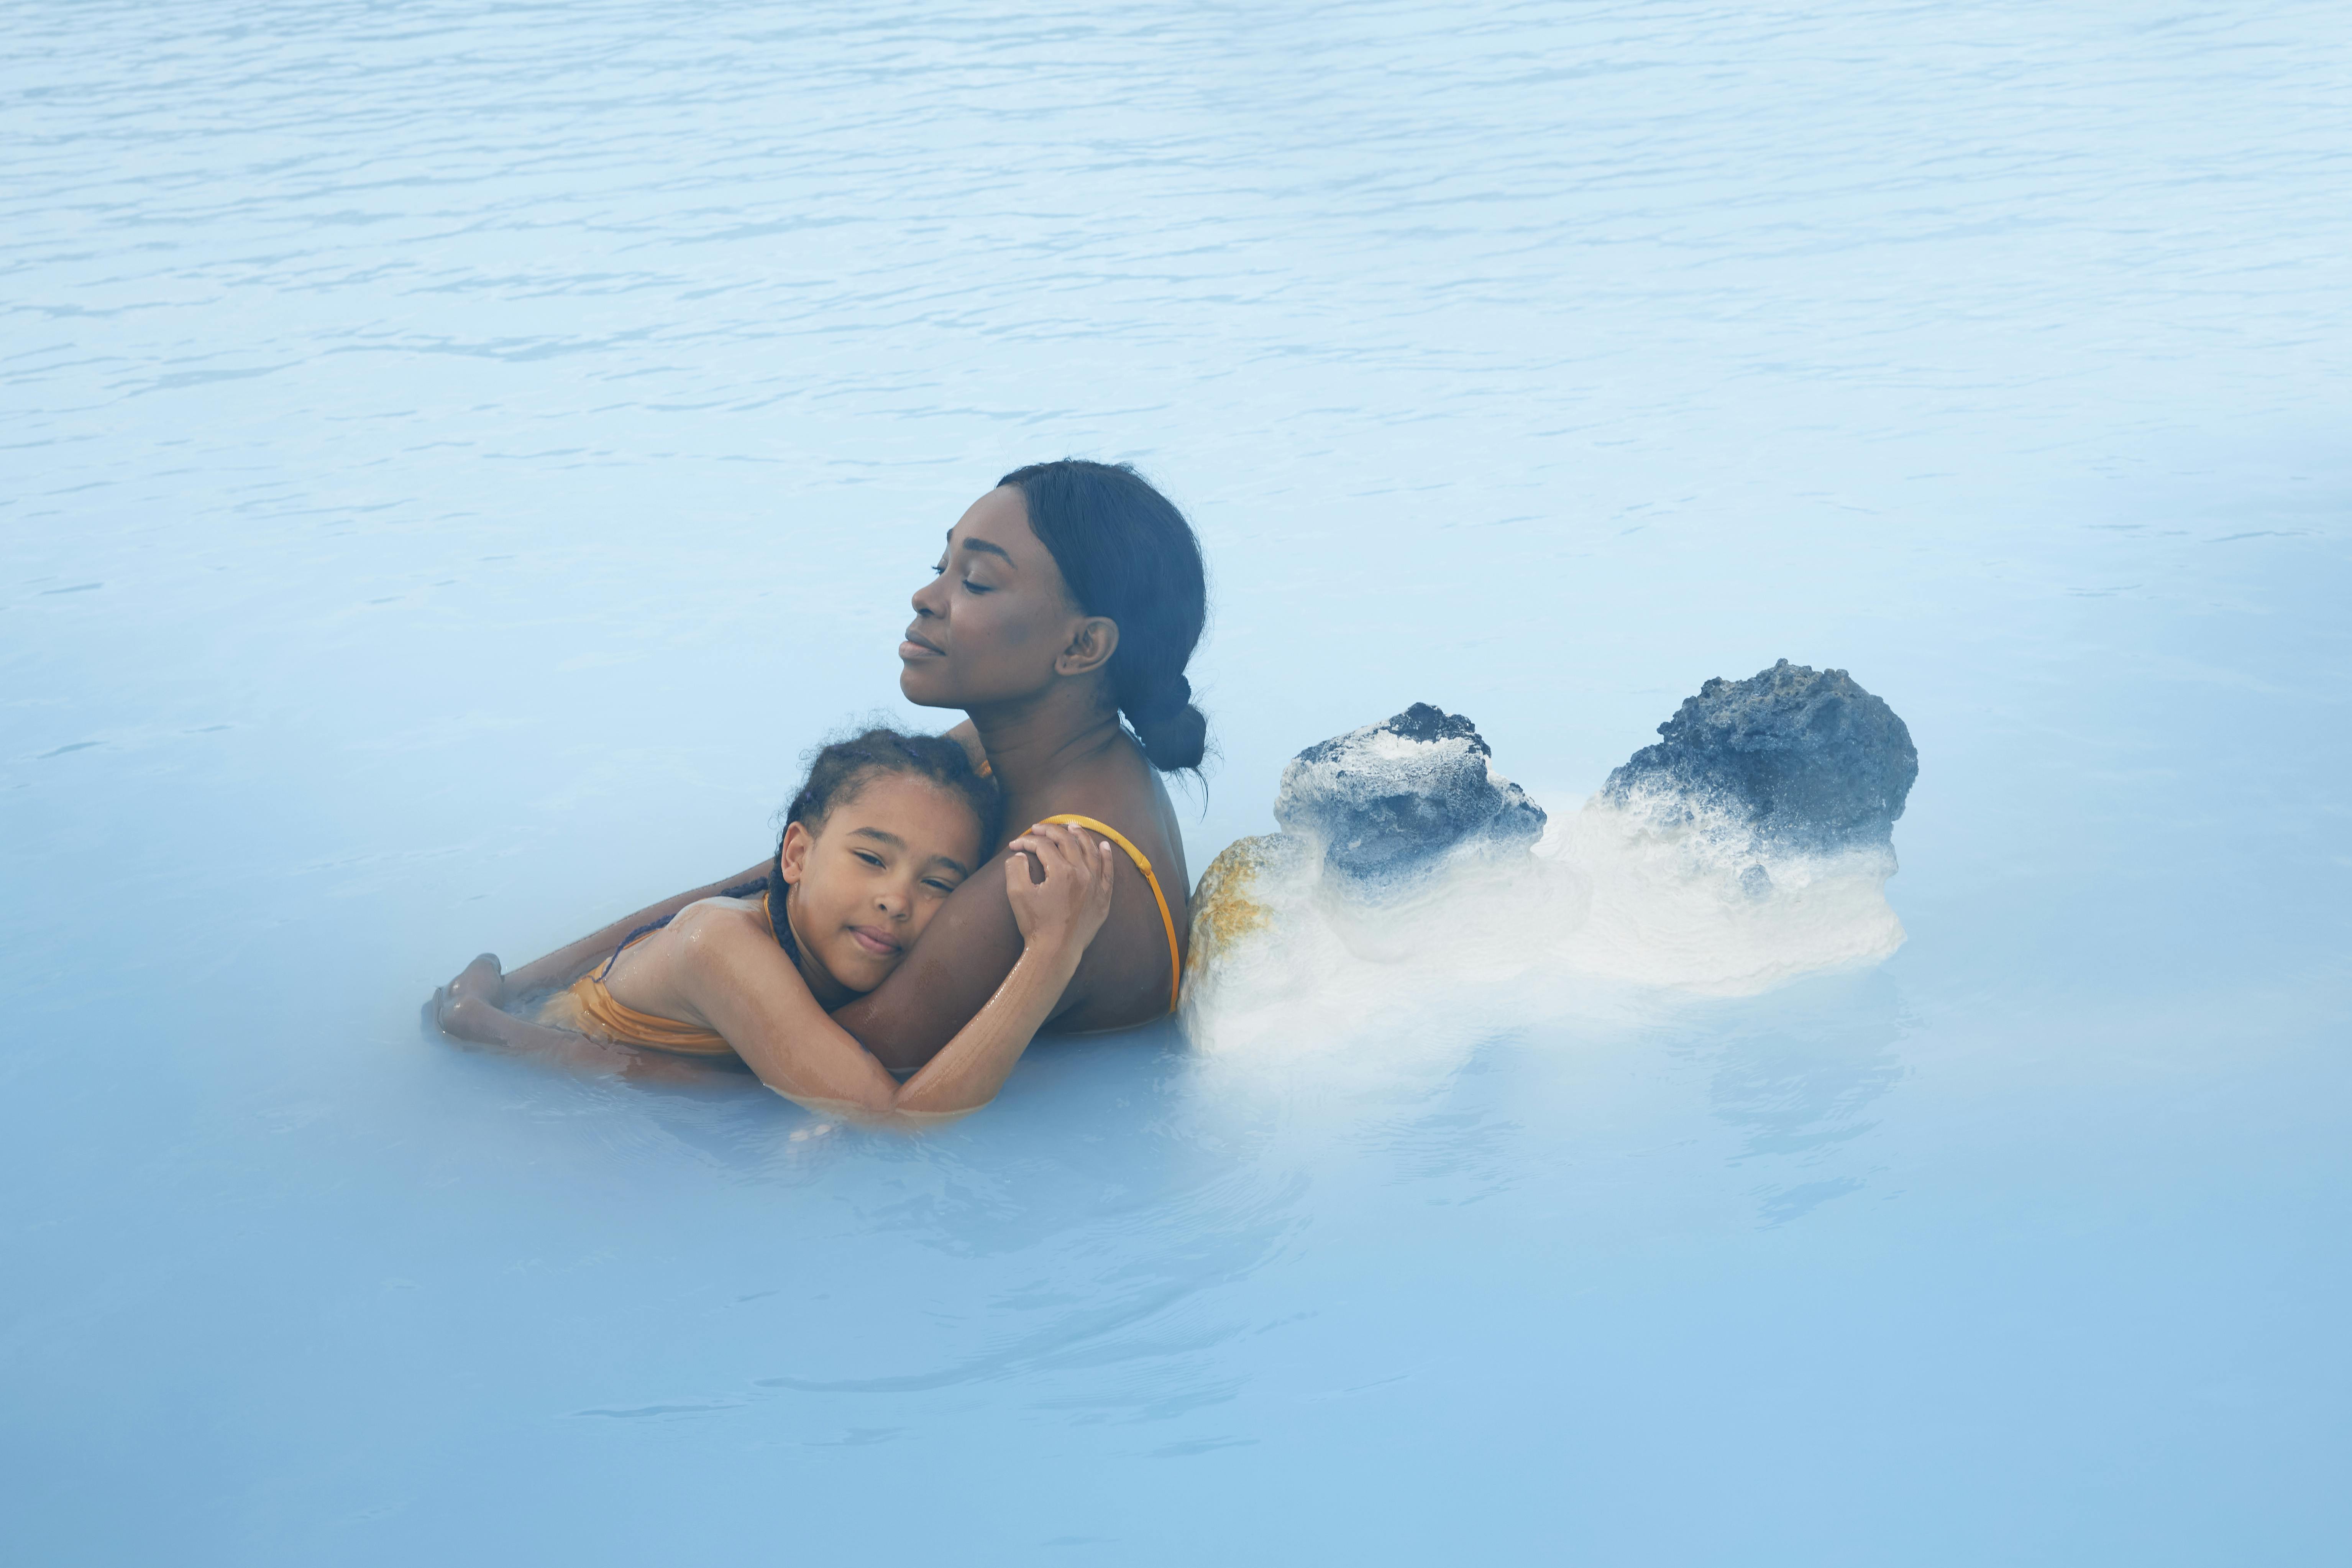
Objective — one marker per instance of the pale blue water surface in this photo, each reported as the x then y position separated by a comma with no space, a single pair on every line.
456,457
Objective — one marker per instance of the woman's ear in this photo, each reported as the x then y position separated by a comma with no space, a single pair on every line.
1090,649
792,860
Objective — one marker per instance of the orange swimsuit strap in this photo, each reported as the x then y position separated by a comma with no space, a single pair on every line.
1175,964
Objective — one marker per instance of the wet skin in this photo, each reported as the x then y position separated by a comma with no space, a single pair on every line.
718,966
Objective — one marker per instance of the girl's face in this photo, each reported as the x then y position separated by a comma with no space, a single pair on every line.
995,623
867,881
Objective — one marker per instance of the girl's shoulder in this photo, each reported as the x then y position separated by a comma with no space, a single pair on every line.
721,916
721,903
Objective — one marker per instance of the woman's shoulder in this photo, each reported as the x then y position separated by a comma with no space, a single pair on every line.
1137,811
1121,789
1128,975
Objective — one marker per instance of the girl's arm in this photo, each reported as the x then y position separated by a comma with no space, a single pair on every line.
969,947
750,992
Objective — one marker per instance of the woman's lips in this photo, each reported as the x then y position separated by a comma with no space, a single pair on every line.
879,943
913,646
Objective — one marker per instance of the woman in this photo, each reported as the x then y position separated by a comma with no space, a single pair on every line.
1069,598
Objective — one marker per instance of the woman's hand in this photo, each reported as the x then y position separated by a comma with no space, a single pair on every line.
471,1007
1063,912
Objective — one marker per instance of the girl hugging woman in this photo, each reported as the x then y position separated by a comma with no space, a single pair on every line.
885,828
879,943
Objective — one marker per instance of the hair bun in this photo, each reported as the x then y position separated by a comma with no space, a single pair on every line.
1175,737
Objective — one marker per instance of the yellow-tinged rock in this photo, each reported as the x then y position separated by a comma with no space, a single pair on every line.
1230,903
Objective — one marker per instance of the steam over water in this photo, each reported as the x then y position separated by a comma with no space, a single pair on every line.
1613,900
1671,904
454,458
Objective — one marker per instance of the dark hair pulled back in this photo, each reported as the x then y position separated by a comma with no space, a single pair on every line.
1129,555
839,769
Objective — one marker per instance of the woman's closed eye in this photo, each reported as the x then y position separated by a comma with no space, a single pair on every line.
939,569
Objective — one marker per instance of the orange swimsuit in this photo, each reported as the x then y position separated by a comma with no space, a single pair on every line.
593,1010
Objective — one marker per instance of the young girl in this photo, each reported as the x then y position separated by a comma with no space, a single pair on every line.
886,827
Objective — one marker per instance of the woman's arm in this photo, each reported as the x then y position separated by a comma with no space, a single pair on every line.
460,1012
464,1010
750,992
567,963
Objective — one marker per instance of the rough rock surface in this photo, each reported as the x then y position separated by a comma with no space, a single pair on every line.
1805,759
1388,800
1235,899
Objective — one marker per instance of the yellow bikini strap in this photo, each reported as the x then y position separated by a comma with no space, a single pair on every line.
1175,964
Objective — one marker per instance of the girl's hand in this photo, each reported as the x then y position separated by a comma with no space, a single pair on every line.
1065,909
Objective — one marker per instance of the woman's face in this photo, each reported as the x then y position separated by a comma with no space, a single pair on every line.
878,868
991,624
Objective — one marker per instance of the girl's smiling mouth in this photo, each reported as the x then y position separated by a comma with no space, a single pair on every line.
873,940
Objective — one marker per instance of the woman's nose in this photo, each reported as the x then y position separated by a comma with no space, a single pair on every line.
932,597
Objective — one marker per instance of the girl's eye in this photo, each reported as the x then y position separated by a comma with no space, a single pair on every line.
873,861
938,887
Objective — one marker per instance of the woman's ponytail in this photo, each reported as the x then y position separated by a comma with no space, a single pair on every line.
1128,554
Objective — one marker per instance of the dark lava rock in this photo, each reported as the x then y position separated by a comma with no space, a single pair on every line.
1390,798
1808,759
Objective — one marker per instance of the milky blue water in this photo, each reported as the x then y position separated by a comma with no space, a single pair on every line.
452,458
